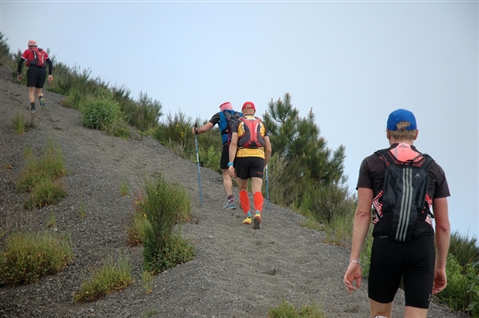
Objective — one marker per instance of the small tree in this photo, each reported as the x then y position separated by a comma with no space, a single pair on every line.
5,57
308,163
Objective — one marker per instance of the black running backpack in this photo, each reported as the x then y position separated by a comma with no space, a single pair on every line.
404,202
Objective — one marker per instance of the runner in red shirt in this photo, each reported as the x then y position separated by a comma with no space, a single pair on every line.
36,60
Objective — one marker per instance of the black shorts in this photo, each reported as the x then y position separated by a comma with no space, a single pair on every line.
413,260
225,157
36,76
249,167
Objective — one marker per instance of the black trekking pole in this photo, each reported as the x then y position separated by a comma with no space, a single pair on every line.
198,162
267,188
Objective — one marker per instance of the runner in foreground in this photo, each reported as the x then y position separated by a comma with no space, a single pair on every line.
418,256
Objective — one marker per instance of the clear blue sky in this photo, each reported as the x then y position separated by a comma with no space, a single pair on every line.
351,62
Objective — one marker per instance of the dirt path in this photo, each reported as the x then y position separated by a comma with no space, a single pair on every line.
237,272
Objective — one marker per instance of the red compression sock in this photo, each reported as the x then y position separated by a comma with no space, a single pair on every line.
258,201
244,201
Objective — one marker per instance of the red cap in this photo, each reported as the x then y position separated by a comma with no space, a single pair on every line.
248,105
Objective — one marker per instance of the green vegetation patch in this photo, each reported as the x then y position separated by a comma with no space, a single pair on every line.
28,256
288,310
40,177
109,277
21,123
159,207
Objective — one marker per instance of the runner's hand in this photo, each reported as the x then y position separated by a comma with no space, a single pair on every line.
50,78
353,273
440,281
231,171
19,77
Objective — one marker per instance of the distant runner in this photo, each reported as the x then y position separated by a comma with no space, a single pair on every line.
36,60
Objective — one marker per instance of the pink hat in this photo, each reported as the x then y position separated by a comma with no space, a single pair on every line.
226,106
32,42
248,105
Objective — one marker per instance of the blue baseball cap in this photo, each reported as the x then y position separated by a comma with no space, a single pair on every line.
400,115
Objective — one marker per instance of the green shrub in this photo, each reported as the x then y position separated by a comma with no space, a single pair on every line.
464,249
75,98
287,310
22,123
72,78
138,228
52,220
100,112
6,59
142,114
45,192
40,177
462,291
276,168
118,129
175,250
149,313
147,279
457,294
50,165
124,187
81,209
210,158
164,205
175,133
472,274
27,257
330,201
111,276
210,147
339,229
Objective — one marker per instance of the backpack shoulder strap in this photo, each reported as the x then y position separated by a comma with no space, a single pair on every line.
227,114
428,162
419,160
223,123
385,156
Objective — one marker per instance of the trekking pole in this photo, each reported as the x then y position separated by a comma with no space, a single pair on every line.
267,187
198,163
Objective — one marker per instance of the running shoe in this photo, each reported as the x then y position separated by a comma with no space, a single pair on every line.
42,103
256,221
34,110
247,220
230,205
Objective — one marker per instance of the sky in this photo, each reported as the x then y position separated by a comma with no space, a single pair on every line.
350,62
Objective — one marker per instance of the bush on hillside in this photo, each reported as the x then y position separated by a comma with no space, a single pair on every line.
29,256
462,291
100,112
109,277
164,205
464,249
40,177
